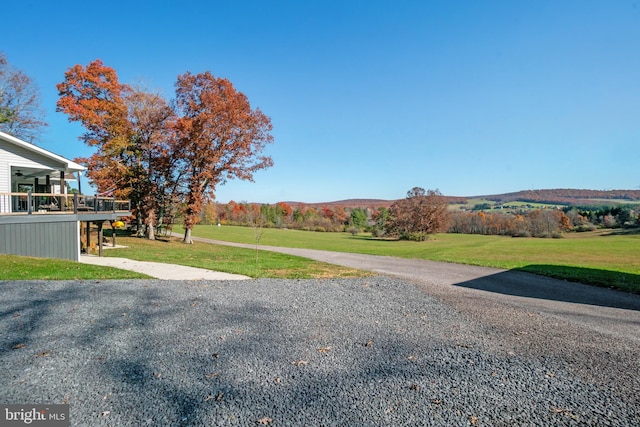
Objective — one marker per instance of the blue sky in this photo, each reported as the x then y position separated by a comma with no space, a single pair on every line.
371,98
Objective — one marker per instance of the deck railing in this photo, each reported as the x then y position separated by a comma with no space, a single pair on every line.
45,203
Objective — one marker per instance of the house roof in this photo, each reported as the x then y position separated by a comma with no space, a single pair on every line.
68,164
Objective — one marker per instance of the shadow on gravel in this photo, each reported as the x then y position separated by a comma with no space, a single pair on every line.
521,283
202,353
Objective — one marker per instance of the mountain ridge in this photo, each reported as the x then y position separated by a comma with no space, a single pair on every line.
561,196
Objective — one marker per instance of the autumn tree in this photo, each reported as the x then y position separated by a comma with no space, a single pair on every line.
20,112
221,137
380,219
132,132
154,171
94,97
417,216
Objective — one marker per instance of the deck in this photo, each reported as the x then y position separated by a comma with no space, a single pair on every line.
60,204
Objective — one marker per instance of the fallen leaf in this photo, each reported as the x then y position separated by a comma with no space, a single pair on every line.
324,349
17,346
278,380
208,398
560,410
219,396
414,387
369,343
44,353
265,421
105,413
211,375
412,358
436,401
300,363
474,420
17,315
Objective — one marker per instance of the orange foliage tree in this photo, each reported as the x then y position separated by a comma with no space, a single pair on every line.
131,130
221,137
161,156
421,213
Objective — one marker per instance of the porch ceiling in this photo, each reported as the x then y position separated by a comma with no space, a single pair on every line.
27,173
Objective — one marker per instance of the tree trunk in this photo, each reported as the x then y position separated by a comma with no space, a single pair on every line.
151,225
187,236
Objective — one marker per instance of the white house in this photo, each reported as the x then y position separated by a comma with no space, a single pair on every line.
26,167
37,215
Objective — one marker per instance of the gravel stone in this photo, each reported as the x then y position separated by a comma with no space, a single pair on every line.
368,352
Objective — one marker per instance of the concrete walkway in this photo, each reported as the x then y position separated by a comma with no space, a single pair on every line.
161,270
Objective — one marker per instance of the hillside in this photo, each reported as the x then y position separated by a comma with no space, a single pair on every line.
558,196
352,203
567,196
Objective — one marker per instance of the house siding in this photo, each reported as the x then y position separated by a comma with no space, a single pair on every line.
43,237
12,155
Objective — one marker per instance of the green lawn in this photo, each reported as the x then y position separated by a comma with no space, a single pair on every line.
228,259
15,267
599,258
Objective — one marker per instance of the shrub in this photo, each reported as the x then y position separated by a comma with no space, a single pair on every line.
418,236
522,233
585,227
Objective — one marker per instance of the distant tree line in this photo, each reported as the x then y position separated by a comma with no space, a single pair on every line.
282,215
533,223
422,213
549,222
586,218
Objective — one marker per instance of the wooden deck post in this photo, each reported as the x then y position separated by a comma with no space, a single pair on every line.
99,237
88,237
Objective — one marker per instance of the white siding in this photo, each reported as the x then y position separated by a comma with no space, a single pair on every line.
12,155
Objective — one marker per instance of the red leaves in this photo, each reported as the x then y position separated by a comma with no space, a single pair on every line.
151,151
221,136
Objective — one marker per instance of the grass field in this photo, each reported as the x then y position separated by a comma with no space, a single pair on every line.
601,258
228,259
27,268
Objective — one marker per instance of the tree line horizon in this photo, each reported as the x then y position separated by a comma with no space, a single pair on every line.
421,214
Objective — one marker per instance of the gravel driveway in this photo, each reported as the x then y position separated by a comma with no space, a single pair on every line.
367,352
